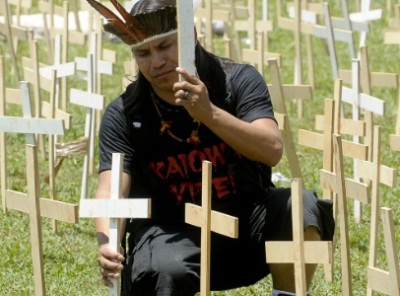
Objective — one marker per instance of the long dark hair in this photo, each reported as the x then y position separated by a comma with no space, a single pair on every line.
210,68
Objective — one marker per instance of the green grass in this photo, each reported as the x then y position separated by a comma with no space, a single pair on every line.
69,256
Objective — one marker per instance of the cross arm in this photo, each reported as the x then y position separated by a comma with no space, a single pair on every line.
314,252
115,208
355,190
220,223
51,209
387,175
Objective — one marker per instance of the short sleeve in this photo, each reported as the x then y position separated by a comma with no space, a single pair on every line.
114,137
251,93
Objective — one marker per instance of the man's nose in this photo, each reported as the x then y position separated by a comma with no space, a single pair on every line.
157,60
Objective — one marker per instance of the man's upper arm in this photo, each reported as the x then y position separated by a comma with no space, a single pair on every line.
104,186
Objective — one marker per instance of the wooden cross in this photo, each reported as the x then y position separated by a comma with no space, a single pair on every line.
394,13
31,202
63,69
92,102
50,9
7,96
343,188
19,6
186,37
259,57
207,13
331,123
101,55
346,23
49,111
236,12
230,36
386,281
278,94
12,31
298,251
365,15
295,26
208,220
254,26
332,34
395,142
304,26
391,35
335,123
40,77
360,101
115,208
377,173
97,67
367,80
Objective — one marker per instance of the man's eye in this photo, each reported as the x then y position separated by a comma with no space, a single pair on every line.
165,45
141,53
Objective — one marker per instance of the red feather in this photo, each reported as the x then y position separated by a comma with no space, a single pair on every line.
114,24
125,15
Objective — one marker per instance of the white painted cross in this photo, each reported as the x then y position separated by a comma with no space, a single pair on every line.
31,202
92,102
93,67
298,251
40,77
347,23
360,101
115,208
202,216
365,15
63,69
367,80
331,35
186,37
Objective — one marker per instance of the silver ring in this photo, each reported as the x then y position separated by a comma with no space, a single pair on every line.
185,94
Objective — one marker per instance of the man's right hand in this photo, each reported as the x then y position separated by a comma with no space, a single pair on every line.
110,264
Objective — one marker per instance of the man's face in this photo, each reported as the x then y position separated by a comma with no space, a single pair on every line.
157,61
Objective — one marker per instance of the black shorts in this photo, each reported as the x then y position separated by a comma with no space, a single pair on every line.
165,257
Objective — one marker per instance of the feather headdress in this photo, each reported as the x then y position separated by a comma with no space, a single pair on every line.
137,29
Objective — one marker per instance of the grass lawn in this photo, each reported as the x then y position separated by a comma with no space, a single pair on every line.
69,256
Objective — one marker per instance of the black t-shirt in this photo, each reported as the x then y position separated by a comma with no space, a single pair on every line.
169,171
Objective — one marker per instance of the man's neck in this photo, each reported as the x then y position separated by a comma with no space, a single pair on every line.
167,96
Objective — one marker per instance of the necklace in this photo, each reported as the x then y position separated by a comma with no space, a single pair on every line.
165,127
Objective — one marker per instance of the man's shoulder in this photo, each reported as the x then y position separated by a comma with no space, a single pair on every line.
116,103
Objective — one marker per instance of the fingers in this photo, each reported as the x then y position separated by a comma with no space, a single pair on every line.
109,264
108,275
186,75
